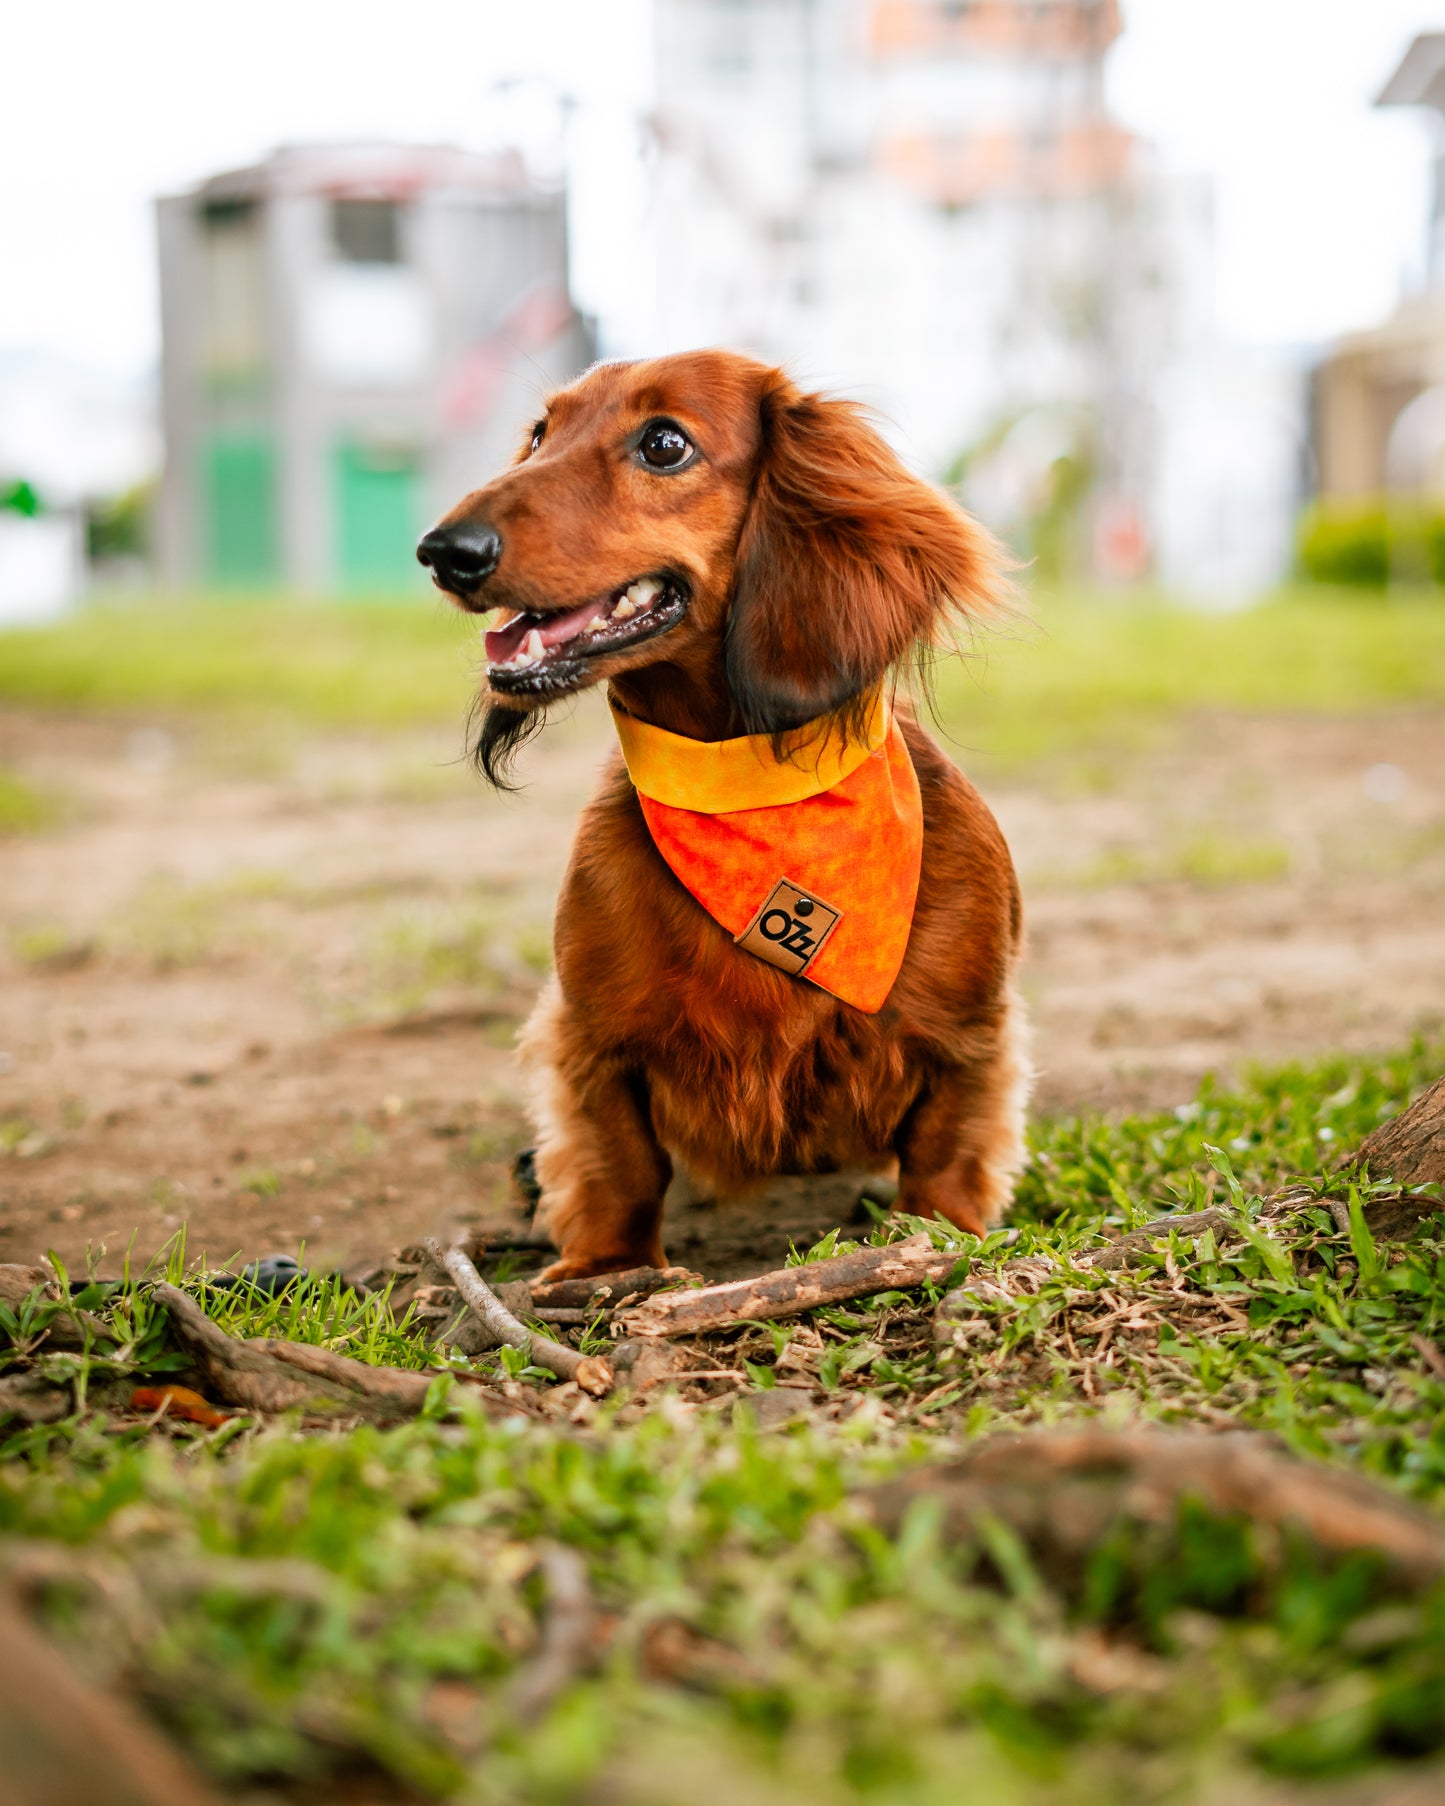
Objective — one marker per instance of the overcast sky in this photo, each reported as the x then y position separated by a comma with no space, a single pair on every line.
1320,198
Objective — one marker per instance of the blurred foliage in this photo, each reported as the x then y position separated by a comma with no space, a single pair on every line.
1367,542
1055,530
120,527
21,498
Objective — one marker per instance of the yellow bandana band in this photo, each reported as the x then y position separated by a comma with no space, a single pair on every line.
812,868
717,777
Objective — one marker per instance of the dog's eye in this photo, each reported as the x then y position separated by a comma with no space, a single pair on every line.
539,433
664,445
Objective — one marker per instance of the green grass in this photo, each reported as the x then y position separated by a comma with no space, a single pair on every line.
295,1606
324,664
1111,670
1083,671
1205,858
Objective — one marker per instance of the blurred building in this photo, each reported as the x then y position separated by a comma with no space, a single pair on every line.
1379,399
350,334
927,202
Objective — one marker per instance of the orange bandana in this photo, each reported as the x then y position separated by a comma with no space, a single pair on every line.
811,866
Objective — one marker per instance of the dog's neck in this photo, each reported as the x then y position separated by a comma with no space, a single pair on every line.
687,698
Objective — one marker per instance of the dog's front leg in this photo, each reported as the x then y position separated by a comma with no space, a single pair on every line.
601,1169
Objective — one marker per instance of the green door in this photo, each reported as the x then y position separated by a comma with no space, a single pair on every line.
378,517
239,483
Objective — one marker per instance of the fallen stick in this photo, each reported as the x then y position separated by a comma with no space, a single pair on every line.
1121,1252
1064,1491
265,1375
791,1290
590,1372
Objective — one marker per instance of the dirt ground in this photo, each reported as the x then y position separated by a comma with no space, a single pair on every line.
265,986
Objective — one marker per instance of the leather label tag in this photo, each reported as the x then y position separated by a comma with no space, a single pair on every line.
790,928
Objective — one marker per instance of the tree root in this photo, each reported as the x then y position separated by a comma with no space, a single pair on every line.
791,1290
63,1742
32,1398
590,1372
1065,1491
1409,1147
69,1328
270,1376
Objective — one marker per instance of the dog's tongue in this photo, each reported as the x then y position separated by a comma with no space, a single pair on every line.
505,642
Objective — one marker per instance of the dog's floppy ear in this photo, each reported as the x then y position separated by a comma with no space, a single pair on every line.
845,564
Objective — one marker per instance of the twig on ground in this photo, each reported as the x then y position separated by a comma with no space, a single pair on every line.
1120,1253
590,1372
610,1290
566,1636
789,1291
1430,1355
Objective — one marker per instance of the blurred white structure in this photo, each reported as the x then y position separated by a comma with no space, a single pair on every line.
41,566
925,202
1380,395
73,437
350,334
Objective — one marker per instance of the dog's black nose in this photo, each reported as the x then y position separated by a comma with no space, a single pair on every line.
461,557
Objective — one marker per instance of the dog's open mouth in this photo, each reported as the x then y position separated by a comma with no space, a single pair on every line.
538,652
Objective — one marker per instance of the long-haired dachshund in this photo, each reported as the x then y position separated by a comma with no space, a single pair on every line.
736,558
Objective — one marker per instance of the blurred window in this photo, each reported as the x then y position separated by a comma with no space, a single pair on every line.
366,231
233,286
731,50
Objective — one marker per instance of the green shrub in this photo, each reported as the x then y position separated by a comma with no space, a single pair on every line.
1367,542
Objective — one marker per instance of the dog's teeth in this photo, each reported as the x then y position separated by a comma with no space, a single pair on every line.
533,647
596,622
644,591
624,610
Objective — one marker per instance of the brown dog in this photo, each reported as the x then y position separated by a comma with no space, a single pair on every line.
781,563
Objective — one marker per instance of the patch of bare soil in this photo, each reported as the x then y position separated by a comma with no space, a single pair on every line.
268,993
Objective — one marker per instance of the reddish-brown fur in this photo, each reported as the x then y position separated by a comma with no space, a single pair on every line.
815,564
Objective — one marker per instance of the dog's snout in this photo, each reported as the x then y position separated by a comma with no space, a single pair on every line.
460,557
